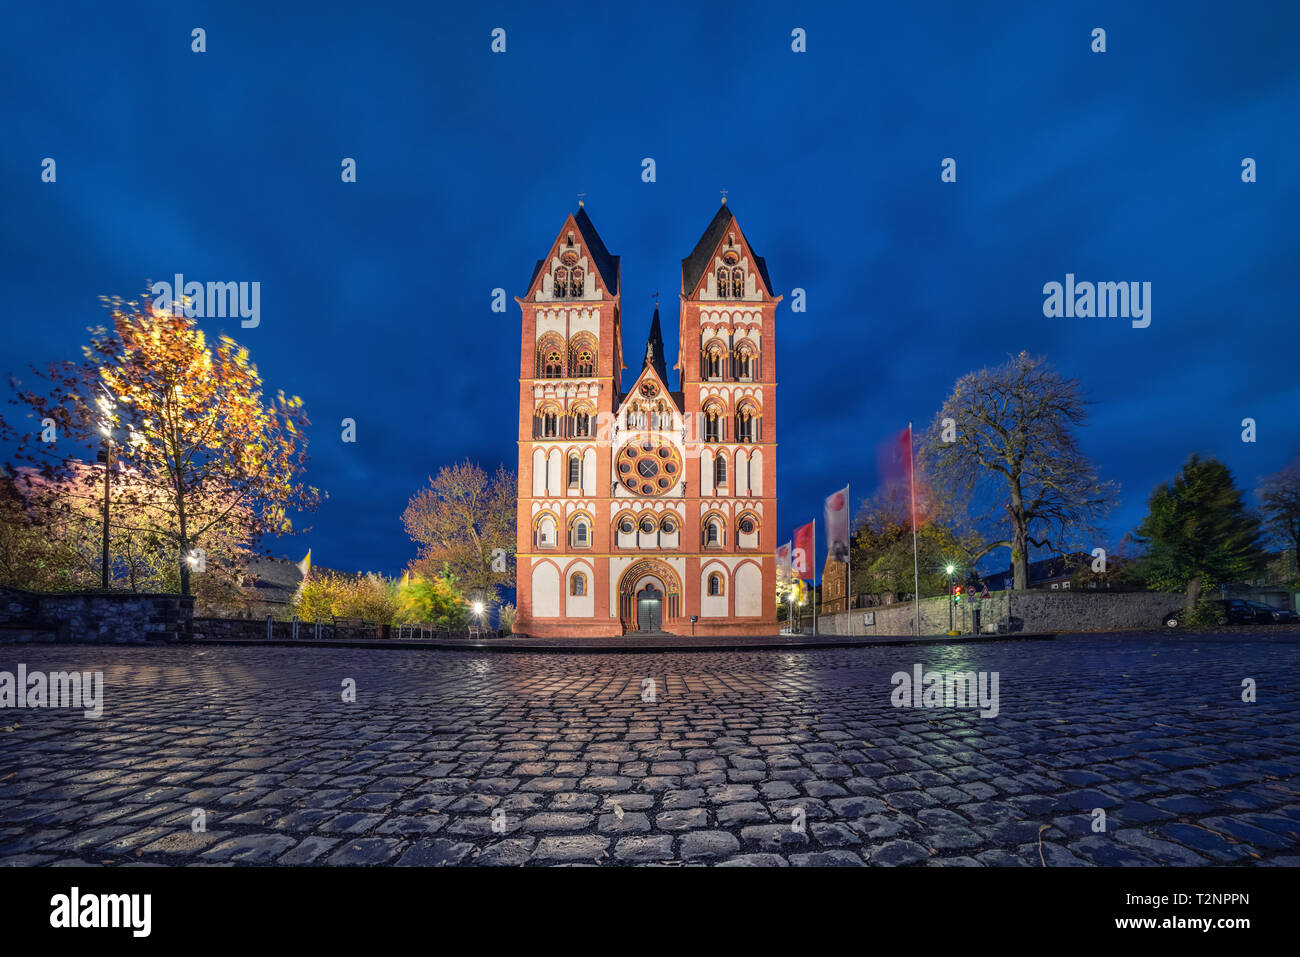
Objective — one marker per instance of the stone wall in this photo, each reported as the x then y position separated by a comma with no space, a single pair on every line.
118,617
1028,611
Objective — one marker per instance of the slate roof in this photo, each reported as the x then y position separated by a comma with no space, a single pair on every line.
654,350
606,264
694,265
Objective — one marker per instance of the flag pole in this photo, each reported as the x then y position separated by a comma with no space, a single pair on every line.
848,574
916,561
814,575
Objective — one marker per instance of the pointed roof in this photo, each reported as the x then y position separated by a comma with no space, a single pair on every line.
654,350
606,264
694,265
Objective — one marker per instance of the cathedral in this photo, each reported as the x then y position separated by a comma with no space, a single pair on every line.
649,509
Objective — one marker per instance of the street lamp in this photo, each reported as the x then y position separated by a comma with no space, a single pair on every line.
478,609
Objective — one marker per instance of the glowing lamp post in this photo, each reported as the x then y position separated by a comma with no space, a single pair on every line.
478,609
950,570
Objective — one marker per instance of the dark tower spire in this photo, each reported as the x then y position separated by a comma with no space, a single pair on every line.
654,350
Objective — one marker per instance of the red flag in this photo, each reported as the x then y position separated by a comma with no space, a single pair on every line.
802,556
901,478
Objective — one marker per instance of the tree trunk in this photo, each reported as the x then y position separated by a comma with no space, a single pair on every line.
1019,558
185,545
1193,594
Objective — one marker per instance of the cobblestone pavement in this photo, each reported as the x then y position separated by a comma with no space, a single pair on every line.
572,766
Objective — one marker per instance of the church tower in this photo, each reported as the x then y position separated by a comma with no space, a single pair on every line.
642,509
727,360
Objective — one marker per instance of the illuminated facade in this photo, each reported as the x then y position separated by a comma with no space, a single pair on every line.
641,508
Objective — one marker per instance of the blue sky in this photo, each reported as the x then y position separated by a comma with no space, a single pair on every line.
376,295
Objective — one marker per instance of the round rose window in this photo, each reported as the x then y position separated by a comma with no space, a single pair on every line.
647,467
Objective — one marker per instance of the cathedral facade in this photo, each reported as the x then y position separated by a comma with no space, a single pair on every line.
647,509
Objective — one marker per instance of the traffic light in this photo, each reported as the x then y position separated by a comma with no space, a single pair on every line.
956,593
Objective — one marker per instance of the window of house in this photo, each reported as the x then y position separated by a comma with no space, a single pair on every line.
575,471
578,584
715,584
713,534
747,525
720,470
581,536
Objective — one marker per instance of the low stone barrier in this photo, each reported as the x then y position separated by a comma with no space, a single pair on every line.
112,618
1024,611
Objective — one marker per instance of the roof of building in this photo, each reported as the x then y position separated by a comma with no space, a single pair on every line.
654,350
605,263
1043,571
694,265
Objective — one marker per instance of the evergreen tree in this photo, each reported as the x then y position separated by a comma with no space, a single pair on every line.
1198,532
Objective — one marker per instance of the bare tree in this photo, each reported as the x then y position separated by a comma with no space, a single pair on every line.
1004,444
1279,499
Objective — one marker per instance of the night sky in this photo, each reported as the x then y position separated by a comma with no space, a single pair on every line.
376,295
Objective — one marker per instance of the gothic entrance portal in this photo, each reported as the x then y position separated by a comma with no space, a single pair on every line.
650,597
649,609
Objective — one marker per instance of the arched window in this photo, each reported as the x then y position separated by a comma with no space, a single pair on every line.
582,423
548,422
747,423
550,357
582,356
724,285
713,532
575,283
712,423
745,361
668,526
546,532
581,533
737,283
714,362
560,284
575,471
747,525
578,585
716,586
720,470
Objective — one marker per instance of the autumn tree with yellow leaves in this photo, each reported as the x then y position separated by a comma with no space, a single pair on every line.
209,458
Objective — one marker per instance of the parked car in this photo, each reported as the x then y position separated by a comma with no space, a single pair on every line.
1231,611
1267,614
